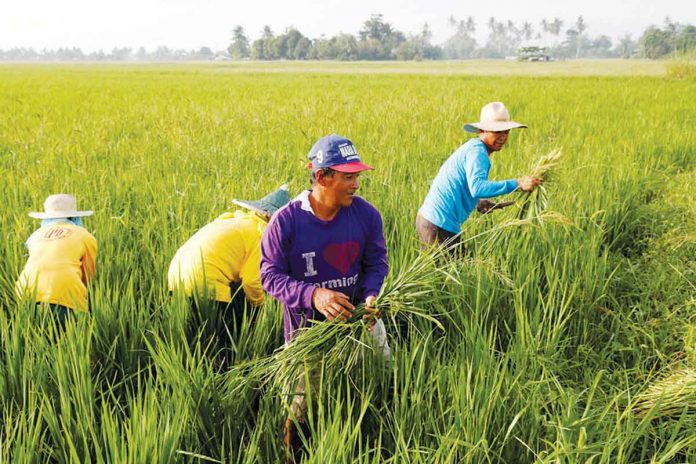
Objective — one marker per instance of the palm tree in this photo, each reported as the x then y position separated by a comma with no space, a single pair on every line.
470,25
555,26
527,30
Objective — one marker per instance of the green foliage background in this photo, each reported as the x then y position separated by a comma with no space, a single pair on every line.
550,332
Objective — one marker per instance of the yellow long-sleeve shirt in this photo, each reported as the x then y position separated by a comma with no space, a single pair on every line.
225,251
62,261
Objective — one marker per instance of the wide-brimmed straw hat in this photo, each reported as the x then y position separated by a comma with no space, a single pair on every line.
268,204
60,205
494,118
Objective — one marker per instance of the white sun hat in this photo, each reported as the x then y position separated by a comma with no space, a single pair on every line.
60,205
494,118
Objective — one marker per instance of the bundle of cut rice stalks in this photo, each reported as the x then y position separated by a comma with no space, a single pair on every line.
342,345
534,203
670,396
410,295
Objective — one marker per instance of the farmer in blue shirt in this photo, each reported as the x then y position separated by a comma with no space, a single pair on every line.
462,183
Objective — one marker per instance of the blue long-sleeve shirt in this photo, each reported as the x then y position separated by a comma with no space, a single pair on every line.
460,183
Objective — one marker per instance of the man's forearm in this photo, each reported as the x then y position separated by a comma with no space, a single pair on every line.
289,291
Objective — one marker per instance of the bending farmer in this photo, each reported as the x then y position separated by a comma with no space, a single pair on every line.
219,260
62,259
462,181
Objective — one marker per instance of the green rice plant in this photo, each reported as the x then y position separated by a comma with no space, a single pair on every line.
681,67
23,437
71,412
128,433
188,375
536,344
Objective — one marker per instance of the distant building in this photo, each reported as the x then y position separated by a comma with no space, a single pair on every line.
533,53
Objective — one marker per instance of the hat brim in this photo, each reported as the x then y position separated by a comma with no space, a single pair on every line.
254,206
349,168
493,126
60,214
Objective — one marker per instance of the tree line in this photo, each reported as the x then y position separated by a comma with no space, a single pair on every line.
380,40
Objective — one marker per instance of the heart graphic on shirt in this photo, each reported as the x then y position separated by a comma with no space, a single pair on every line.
341,255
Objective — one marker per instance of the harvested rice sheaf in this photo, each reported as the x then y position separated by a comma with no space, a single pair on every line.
670,396
341,345
535,203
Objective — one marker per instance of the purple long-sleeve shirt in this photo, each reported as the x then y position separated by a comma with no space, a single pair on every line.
300,252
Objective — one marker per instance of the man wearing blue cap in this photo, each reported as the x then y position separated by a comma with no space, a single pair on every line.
324,253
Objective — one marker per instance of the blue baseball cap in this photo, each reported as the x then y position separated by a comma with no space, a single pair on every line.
337,153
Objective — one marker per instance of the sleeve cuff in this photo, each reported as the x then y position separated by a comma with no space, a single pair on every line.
307,293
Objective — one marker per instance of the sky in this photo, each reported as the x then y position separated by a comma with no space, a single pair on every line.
191,24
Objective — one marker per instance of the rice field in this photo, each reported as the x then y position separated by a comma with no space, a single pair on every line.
565,334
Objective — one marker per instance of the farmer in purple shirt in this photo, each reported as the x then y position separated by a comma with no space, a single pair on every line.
324,253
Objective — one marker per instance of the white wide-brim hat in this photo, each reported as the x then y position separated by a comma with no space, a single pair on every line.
60,206
494,118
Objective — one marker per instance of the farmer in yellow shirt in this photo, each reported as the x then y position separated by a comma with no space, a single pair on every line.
219,265
62,258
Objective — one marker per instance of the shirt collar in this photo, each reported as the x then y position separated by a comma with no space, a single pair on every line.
303,198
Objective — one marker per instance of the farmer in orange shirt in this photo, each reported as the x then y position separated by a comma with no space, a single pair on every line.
62,259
